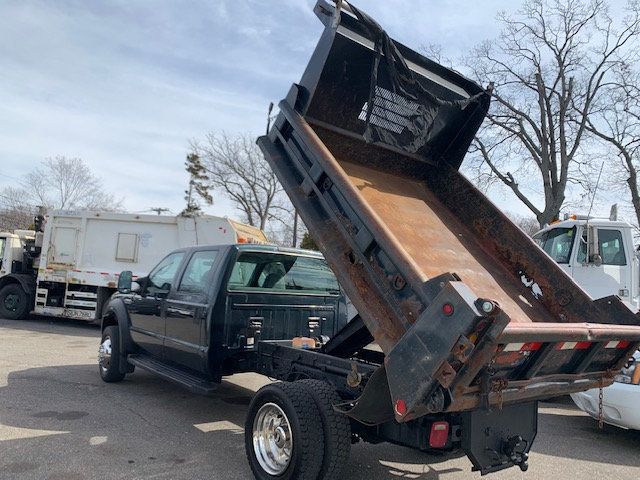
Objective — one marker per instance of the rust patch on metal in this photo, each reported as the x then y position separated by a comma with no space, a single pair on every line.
462,349
439,242
445,374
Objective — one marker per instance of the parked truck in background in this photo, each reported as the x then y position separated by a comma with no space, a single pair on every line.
600,255
69,265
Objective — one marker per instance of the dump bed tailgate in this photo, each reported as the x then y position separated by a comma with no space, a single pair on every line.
466,307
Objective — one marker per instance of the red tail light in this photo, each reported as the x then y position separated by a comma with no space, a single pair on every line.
401,408
439,434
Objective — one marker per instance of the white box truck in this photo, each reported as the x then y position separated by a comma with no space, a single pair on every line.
69,266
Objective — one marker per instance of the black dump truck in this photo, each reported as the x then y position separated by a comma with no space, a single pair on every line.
464,322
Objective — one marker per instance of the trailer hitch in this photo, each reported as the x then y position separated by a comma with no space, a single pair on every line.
515,448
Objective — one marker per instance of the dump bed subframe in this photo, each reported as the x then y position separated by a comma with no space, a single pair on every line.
467,309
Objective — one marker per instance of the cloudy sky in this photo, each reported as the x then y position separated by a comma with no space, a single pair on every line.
126,84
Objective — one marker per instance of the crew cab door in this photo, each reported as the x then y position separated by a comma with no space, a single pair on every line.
281,296
613,275
146,305
186,310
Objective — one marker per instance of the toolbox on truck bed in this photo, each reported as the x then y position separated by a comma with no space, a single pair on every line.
467,309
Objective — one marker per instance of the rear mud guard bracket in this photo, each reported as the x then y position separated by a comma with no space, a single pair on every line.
500,438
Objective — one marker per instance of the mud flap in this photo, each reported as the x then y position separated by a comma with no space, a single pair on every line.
500,438
373,407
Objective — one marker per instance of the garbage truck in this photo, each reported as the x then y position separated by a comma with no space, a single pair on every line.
464,323
69,265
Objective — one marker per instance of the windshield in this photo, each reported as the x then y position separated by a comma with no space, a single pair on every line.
557,242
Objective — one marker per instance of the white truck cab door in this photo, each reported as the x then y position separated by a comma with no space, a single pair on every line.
613,276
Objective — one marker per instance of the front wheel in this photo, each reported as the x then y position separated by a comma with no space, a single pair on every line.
283,433
109,355
14,302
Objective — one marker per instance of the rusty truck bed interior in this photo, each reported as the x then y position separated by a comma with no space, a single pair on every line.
437,240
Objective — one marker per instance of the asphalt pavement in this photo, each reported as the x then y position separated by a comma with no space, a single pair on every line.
59,421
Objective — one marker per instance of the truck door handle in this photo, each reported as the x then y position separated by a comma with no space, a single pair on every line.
256,322
313,322
178,311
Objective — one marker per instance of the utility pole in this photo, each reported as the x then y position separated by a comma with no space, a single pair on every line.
159,210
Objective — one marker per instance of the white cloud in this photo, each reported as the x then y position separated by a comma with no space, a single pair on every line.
125,85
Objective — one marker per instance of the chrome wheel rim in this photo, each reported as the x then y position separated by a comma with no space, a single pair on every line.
272,439
104,354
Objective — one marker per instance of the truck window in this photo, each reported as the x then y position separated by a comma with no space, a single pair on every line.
256,271
198,274
162,275
557,242
611,248
2,243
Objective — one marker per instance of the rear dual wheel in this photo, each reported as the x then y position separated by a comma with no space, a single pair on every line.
292,432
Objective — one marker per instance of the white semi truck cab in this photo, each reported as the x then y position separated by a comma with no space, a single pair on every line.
599,254
12,247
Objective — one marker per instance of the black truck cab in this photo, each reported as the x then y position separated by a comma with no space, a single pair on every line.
200,312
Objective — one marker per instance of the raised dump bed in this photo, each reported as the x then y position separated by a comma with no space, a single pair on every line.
467,309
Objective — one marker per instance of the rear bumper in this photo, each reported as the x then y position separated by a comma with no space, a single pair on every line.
620,404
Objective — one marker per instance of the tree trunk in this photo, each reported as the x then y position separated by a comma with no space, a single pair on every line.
632,181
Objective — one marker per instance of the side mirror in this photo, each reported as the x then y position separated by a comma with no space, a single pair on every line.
125,282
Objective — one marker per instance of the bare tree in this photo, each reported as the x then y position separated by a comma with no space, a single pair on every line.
616,122
527,223
236,167
15,214
549,67
64,183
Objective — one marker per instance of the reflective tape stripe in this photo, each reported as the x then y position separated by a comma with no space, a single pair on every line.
522,347
533,346
513,347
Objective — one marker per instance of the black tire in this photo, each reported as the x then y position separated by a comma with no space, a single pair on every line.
109,358
14,302
303,417
335,426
